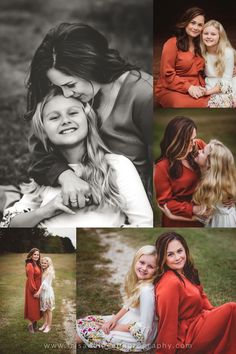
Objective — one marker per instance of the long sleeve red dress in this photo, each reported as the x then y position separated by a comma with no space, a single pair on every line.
176,193
33,282
188,323
178,71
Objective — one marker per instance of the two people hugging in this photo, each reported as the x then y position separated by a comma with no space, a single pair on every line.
91,114
195,182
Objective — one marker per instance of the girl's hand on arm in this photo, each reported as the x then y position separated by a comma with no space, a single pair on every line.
74,189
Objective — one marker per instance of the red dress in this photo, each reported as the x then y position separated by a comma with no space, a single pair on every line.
33,282
188,323
179,70
176,193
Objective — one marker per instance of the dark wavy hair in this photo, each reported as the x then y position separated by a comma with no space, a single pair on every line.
29,257
190,272
77,50
180,32
175,143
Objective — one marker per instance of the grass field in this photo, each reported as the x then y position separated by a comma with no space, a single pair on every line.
214,253
14,335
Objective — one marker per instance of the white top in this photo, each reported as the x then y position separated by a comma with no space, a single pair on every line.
137,208
212,78
223,217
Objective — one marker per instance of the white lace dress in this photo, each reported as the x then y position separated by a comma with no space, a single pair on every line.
142,321
47,298
223,217
226,81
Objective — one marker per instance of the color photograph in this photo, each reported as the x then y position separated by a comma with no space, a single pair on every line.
194,55
195,173
185,278
37,287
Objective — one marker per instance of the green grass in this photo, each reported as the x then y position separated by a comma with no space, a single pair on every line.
94,293
211,123
214,253
13,327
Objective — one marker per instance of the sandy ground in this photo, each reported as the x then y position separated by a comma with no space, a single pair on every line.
69,319
120,255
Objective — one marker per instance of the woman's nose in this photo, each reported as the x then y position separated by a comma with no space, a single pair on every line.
67,92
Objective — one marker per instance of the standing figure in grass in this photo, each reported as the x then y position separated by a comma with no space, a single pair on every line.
188,322
33,283
46,294
134,327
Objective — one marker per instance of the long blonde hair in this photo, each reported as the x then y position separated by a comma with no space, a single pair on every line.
222,45
218,182
95,169
50,269
132,285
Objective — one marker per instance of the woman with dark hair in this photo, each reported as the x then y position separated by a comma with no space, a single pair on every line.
69,127
176,174
77,58
181,82
187,320
34,277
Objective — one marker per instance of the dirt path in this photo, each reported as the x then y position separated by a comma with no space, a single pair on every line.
69,318
119,253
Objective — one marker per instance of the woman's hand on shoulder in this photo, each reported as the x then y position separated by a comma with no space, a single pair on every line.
196,91
75,191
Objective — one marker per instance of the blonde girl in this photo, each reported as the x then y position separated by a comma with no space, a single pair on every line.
215,194
68,128
219,57
46,294
217,185
134,327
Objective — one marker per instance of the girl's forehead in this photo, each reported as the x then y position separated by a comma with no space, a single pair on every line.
60,102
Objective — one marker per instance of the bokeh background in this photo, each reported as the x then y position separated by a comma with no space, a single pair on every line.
23,24
212,124
165,18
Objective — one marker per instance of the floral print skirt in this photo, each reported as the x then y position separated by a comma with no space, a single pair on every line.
88,329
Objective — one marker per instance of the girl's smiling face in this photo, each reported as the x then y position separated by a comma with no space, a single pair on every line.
202,157
73,86
175,256
210,36
146,266
44,264
65,122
